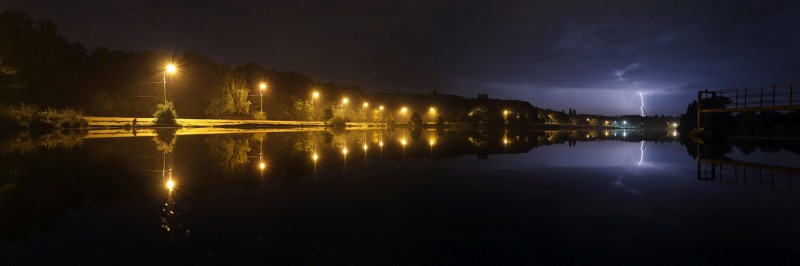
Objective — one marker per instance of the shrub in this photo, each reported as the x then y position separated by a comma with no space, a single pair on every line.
21,116
67,118
260,115
165,115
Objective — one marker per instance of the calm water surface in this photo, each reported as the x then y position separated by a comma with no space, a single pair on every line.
397,197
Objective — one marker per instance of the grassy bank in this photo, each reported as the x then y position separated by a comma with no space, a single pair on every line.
29,117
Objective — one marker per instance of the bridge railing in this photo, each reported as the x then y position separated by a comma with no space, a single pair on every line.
776,97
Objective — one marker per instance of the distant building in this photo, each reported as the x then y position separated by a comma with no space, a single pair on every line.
483,96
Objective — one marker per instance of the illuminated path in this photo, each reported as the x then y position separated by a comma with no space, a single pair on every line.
96,121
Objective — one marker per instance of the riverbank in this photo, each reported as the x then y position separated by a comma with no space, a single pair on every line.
98,122
128,122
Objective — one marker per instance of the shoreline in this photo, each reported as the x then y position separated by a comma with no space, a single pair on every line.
98,122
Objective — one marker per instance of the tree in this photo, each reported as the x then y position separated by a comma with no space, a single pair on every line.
230,97
327,114
416,119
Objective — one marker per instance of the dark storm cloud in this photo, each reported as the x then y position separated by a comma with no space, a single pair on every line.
592,56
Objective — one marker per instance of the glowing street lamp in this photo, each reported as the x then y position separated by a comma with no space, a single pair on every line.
262,87
380,107
170,185
314,97
404,110
364,110
169,69
344,103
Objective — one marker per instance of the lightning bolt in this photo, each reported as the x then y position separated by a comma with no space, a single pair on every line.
641,96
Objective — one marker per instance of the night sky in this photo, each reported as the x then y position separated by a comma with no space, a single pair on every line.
594,56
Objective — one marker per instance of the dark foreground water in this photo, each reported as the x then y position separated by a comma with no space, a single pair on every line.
409,197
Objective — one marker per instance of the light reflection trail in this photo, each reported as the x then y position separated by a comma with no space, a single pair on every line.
641,154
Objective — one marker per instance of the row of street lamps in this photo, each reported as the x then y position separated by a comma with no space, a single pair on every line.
171,69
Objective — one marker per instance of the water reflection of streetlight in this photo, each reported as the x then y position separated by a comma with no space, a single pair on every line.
403,142
344,159
431,142
315,157
380,146
261,164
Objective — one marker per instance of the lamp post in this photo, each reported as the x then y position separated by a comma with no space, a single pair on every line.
169,69
344,105
364,110
314,97
262,87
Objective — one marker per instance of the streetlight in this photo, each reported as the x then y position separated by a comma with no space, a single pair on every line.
169,69
344,103
404,110
170,185
262,87
314,97
364,110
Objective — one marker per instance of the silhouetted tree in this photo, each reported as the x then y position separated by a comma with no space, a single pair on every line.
327,114
416,119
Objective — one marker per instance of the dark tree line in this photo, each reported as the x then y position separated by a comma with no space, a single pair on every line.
41,67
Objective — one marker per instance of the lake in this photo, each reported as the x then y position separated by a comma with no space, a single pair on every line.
401,196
